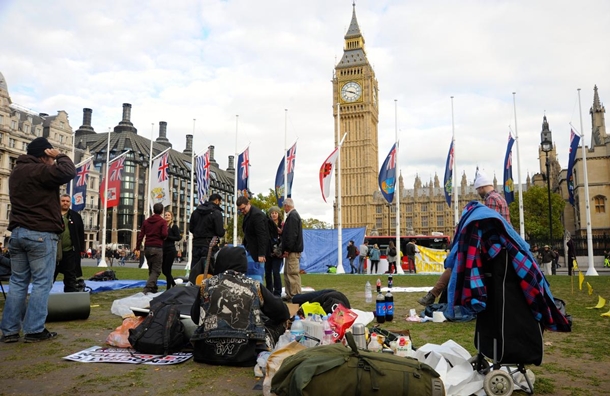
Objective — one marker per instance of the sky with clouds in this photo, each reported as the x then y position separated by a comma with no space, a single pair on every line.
211,60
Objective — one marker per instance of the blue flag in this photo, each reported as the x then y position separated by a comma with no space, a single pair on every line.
387,176
291,156
574,141
448,179
509,184
243,173
79,197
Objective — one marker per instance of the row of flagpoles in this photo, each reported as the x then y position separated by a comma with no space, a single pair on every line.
159,189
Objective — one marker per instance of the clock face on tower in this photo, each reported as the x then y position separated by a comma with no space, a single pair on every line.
351,91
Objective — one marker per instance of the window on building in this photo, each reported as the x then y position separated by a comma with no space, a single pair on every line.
409,222
38,132
599,202
62,125
61,139
11,143
409,208
424,207
1,119
378,209
26,128
424,221
440,207
12,162
440,221
8,211
13,125
379,223
24,146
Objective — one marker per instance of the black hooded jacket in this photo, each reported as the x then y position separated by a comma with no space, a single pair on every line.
205,223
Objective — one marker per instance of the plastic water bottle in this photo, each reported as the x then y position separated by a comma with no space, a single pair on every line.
327,339
368,294
297,331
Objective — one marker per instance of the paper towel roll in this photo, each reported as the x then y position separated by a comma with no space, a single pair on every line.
438,317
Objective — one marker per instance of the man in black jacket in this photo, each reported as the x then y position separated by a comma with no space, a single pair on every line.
72,244
35,222
237,317
292,246
256,231
206,223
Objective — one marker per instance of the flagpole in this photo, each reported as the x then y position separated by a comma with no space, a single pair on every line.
456,195
102,262
150,161
340,269
591,270
285,154
397,190
73,160
235,184
189,246
521,220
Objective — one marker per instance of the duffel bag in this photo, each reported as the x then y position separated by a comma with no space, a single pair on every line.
337,370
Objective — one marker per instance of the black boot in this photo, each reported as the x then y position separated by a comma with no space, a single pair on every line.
428,299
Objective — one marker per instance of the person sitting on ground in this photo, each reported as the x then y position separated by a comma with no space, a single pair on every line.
237,317
494,201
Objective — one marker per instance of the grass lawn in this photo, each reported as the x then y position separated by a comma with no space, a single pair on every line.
575,363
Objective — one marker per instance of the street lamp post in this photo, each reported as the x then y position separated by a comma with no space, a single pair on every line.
546,144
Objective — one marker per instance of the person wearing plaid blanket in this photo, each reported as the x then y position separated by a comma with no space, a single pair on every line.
493,200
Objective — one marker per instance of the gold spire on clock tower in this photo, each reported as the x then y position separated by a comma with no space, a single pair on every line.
355,89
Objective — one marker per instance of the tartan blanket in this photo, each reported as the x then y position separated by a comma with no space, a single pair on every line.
480,236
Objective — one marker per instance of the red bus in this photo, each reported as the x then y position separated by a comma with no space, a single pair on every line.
439,242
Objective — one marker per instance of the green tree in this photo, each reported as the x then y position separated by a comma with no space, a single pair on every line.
315,224
536,213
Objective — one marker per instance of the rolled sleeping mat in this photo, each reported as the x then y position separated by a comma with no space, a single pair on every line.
69,306
189,326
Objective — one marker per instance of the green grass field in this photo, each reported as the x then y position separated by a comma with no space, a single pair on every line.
575,363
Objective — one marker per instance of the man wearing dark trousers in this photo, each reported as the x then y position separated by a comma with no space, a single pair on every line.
205,223
72,244
35,222
256,231
154,229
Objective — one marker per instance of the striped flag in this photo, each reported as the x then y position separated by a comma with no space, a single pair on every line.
202,171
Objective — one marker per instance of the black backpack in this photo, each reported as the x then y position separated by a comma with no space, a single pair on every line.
161,332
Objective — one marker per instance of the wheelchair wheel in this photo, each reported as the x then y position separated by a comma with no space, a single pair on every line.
498,382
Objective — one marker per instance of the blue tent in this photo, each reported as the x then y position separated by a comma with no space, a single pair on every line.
321,248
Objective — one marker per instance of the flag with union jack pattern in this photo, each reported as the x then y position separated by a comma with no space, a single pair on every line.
202,170
114,183
387,175
159,186
290,160
79,196
243,173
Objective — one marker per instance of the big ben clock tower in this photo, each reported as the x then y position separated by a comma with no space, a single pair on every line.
355,90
